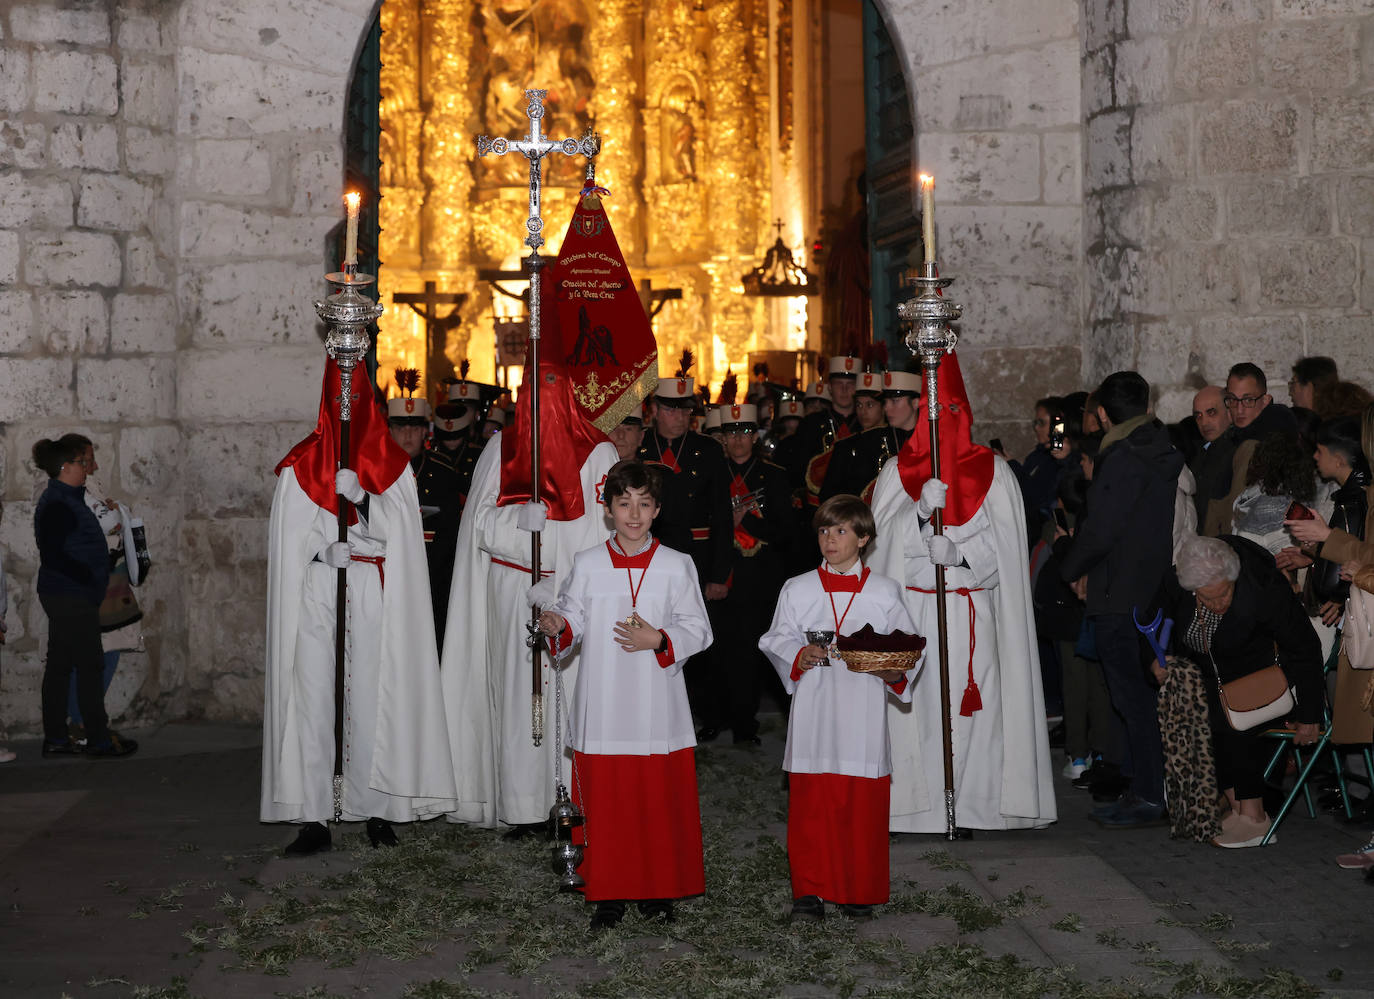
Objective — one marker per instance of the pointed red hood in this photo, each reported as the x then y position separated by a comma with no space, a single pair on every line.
965,466
566,438
378,460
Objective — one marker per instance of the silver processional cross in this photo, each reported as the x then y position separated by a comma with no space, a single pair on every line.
534,148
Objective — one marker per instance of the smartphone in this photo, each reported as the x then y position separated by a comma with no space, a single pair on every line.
995,444
1061,519
1058,434
1296,511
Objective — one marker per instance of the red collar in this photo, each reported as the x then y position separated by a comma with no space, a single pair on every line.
839,582
620,560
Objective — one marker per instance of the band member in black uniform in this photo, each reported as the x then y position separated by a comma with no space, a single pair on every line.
856,462
437,483
763,528
821,430
628,436
695,513
455,445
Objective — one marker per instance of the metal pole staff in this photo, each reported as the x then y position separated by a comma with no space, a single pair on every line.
534,148
931,338
347,315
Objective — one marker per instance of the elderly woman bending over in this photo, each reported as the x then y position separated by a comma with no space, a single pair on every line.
1234,614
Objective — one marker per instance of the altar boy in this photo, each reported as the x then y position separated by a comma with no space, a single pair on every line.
636,608
837,750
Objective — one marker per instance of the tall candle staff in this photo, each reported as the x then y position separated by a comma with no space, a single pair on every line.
347,315
930,338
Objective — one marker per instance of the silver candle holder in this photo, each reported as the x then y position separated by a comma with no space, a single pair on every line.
347,315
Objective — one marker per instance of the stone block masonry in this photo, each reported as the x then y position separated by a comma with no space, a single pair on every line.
1249,162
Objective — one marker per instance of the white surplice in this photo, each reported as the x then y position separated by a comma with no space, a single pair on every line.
626,703
397,764
1002,757
486,666
838,721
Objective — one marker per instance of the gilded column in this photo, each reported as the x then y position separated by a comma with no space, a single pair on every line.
447,145
732,146
615,32
402,187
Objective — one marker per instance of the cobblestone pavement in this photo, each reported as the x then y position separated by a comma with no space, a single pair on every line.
108,867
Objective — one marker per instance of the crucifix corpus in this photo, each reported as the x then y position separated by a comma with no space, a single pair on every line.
437,328
534,147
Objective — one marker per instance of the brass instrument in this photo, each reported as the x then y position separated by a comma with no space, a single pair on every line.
749,502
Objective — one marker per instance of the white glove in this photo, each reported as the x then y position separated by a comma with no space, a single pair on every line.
942,550
346,485
932,498
542,594
532,517
336,556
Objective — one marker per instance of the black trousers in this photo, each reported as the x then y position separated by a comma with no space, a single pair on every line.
73,644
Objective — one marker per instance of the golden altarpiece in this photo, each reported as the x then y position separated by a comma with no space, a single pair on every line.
706,115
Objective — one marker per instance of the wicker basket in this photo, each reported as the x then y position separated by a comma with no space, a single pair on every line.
868,661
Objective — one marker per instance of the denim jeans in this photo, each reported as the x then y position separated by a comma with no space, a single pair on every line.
1120,648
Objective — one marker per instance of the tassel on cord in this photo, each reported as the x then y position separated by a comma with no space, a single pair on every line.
973,700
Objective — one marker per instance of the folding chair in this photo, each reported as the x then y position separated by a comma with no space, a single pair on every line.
1306,763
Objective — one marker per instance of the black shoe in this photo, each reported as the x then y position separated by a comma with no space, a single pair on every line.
607,915
856,911
313,838
656,909
64,748
519,830
380,833
1100,770
807,908
707,733
113,748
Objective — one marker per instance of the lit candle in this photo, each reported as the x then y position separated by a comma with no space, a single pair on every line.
353,199
928,216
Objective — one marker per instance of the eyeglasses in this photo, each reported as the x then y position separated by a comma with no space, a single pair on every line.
1244,401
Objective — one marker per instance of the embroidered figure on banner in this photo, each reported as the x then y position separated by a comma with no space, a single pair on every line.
593,345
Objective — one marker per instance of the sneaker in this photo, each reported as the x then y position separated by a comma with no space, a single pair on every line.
1244,833
1361,860
1075,768
64,748
1132,812
113,748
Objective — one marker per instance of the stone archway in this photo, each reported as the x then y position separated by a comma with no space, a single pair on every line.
259,101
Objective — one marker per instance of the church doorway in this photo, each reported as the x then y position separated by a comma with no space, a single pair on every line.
719,119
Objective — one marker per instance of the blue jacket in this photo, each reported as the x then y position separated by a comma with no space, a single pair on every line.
72,555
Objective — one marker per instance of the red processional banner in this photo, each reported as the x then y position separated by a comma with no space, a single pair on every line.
608,345
597,363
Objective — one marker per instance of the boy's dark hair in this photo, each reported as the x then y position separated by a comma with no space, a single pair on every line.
1342,437
631,474
1247,370
849,511
1123,395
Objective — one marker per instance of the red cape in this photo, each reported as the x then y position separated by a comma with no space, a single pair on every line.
965,467
378,460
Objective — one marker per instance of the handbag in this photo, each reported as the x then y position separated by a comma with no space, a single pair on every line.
119,608
1251,700
1357,631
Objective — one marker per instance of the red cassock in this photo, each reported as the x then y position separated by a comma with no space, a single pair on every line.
634,766
837,837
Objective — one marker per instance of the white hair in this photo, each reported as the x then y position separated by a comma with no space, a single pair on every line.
1206,561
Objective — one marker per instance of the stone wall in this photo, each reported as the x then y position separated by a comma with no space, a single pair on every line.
996,90
1227,189
89,324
